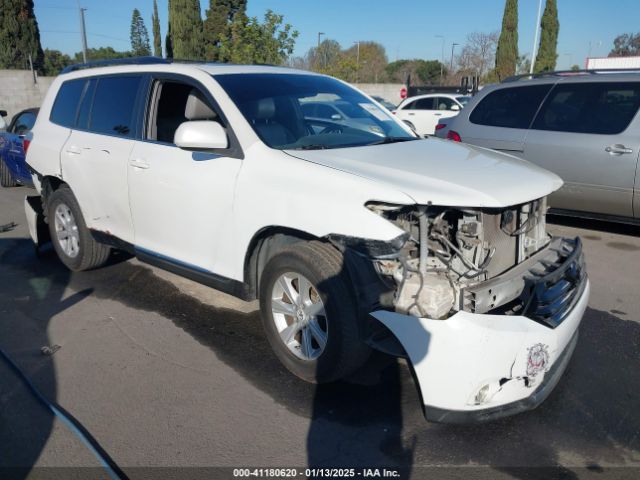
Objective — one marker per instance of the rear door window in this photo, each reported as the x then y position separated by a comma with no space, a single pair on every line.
509,107
424,104
601,108
65,106
114,105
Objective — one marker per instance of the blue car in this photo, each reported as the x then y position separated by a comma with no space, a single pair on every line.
13,168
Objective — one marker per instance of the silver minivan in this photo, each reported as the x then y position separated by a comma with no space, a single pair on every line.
583,126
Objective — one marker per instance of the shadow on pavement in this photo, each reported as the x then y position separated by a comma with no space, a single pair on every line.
28,302
374,417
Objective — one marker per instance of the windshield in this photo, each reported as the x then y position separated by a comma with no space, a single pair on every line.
463,100
297,111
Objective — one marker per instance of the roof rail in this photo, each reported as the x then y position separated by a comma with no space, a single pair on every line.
116,61
568,73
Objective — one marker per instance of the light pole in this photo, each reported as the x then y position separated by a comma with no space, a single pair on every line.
442,59
357,60
453,45
535,39
318,51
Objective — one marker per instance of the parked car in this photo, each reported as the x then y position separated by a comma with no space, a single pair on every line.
323,114
422,112
350,240
3,124
584,127
13,144
385,103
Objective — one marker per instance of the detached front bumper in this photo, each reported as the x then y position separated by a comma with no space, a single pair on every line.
481,366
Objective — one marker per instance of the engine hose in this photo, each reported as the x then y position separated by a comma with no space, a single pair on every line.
74,425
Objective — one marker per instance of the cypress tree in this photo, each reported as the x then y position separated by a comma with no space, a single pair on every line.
155,25
139,35
185,30
550,27
220,17
507,50
19,35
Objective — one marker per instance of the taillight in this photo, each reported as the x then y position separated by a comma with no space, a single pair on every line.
440,126
455,136
25,144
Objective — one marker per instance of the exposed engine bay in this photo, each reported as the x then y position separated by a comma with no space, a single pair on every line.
447,250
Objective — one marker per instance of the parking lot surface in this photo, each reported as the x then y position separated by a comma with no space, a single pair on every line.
164,372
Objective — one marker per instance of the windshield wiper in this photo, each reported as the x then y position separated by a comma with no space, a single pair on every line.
311,147
393,140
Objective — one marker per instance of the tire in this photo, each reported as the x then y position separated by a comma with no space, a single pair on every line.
6,178
322,265
64,217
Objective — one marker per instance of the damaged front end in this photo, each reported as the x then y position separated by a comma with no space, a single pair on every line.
485,304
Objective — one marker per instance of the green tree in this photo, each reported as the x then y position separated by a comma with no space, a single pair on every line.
547,54
54,62
185,39
252,42
102,53
155,26
371,61
139,35
19,35
626,45
425,72
217,25
321,58
507,49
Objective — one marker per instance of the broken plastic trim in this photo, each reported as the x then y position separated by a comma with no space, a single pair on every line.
371,248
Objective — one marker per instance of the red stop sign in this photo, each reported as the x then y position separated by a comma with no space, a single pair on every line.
403,93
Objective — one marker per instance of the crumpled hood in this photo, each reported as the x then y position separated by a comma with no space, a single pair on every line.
442,172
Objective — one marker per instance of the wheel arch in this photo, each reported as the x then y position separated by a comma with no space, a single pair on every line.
264,245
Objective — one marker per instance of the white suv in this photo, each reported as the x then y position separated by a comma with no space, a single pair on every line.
351,239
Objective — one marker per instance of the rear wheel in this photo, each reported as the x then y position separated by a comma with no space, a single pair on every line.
70,236
309,313
6,178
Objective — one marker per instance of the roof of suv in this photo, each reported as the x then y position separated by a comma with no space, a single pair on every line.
573,76
105,68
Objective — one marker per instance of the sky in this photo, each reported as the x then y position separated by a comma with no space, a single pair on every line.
406,28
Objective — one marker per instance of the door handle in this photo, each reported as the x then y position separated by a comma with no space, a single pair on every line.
618,149
411,114
139,163
437,114
73,150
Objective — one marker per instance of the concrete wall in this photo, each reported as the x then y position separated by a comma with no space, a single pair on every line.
388,91
17,91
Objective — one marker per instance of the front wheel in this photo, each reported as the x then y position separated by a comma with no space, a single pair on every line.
70,236
309,313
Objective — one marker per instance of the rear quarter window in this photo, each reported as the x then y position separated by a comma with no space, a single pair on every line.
509,107
600,108
114,105
65,107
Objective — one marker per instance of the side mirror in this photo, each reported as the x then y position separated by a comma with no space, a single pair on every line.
201,135
455,108
336,116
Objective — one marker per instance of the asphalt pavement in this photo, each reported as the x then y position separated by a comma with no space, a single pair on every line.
163,372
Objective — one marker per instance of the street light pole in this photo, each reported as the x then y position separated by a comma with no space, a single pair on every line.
442,59
83,33
357,60
324,63
535,39
453,45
